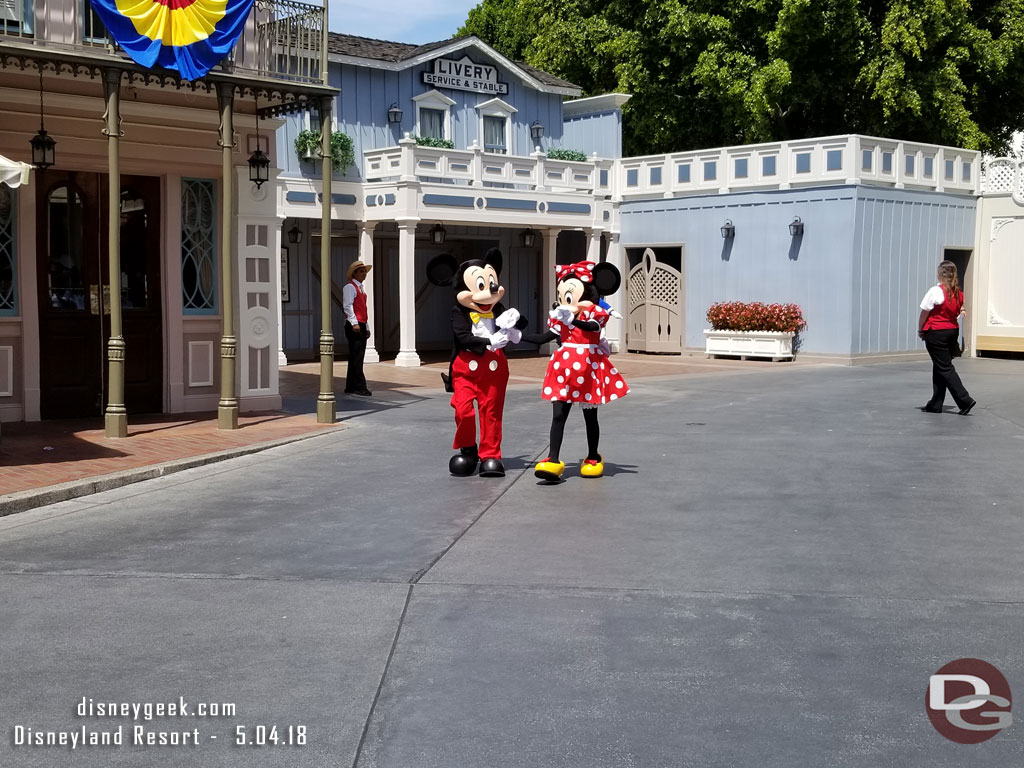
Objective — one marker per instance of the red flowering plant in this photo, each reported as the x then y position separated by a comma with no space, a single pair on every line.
755,316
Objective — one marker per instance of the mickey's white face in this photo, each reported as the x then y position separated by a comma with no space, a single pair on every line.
570,294
482,290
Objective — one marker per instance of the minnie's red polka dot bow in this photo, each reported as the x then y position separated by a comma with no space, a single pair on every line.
581,269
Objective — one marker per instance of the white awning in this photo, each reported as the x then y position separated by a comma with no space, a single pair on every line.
13,173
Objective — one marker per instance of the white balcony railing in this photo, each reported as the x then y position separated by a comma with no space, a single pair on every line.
410,162
1004,176
848,159
281,39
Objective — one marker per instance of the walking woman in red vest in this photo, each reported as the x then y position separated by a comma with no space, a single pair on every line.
939,327
357,328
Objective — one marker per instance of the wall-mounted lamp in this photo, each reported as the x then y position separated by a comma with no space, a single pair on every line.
395,114
536,130
527,238
295,235
728,229
438,234
796,227
259,163
43,153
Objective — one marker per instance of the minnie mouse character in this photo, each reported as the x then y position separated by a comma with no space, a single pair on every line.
478,371
580,370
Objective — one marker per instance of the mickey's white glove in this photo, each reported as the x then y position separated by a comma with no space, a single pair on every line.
562,315
507,319
498,340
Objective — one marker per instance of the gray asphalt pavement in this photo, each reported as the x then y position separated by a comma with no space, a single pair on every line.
768,574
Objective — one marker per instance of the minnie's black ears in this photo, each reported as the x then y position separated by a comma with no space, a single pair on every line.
494,258
442,269
606,278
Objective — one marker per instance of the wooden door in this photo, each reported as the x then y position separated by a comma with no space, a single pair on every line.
74,299
655,302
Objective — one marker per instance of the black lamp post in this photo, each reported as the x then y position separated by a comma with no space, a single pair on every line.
295,235
796,227
438,234
395,114
527,238
728,229
43,154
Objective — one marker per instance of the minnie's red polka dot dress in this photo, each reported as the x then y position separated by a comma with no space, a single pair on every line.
578,372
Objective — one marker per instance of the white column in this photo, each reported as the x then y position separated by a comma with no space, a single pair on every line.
407,357
593,245
613,330
547,283
366,256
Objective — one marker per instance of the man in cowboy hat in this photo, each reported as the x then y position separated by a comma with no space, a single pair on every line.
357,329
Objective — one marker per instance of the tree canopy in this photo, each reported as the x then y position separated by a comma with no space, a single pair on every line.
720,72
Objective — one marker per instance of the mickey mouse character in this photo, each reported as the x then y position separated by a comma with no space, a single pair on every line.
478,371
580,370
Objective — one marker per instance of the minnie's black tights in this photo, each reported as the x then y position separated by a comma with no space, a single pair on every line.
559,415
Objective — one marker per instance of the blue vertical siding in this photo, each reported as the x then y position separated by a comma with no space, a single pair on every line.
367,93
762,262
899,240
600,132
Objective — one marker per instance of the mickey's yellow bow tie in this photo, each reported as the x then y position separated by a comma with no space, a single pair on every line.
475,316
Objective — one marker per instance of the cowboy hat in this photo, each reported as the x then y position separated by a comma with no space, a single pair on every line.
354,266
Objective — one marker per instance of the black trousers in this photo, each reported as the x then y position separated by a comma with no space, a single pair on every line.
355,381
944,376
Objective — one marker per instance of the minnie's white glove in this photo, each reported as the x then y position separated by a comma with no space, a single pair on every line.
603,348
514,335
562,315
507,319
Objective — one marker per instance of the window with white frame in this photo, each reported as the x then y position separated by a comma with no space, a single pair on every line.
8,256
496,125
433,115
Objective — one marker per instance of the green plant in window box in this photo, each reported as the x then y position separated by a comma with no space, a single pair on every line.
430,141
307,147
567,154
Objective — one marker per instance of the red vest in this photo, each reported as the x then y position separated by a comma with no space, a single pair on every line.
359,303
946,314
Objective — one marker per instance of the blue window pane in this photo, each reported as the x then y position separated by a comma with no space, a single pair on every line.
967,171
740,168
887,162
632,177
198,247
768,166
834,160
684,174
710,170
929,167
867,160
604,178
803,162
949,170
655,176
909,165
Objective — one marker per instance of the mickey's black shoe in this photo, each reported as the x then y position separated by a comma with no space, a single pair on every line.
463,463
492,468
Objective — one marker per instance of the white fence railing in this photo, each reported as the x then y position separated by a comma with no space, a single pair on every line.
831,160
847,159
1004,175
410,162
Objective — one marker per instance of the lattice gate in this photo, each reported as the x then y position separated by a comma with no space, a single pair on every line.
655,296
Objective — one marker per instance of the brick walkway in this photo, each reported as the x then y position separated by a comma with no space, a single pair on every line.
39,454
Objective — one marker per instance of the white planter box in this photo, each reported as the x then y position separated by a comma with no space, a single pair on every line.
773,344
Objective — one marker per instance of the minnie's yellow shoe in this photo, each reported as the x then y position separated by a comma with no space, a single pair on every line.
550,470
591,468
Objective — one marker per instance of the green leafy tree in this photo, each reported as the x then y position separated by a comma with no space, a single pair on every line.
711,73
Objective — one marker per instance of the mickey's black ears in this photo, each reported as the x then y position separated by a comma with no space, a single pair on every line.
606,278
494,258
441,269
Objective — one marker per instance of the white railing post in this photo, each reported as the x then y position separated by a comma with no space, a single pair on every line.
940,170
407,165
852,159
538,158
477,168
786,161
